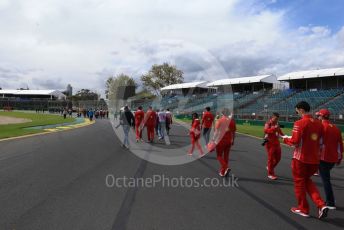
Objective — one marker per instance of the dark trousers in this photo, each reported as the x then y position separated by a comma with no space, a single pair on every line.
206,135
325,174
168,127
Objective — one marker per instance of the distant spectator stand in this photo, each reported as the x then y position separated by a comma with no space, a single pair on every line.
8,108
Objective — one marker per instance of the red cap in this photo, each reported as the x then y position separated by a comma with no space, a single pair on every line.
323,113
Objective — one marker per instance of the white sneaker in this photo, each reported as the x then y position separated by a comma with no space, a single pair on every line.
227,171
299,212
271,177
323,212
331,207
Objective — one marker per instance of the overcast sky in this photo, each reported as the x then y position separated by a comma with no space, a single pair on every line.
48,44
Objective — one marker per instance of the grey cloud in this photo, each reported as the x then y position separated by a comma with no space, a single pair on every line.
5,70
114,53
18,70
9,76
246,66
49,83
191,63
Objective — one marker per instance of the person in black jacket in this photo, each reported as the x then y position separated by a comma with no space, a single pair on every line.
127,120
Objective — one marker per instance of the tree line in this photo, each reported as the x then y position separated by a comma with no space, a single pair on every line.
156,78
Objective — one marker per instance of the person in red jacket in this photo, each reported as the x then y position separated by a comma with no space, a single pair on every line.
273,132
139,116
224,136
207,123
331,153
195,134
150,120
306,136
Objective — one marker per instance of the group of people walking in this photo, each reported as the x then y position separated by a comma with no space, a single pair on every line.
318,146
156,123
94,113
222,140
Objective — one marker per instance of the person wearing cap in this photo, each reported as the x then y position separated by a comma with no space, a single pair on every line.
331,153
224,136
273,132
306,135
207,123
139,116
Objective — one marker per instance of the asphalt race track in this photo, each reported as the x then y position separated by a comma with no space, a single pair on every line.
58,181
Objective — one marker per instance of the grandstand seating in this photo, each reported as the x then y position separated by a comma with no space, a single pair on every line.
267,101
262,102
284,101
336,105
314,98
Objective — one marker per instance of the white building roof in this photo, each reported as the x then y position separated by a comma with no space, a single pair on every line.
312,74
188,85
55,93
244,80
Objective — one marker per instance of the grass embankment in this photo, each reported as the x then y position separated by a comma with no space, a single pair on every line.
253,130
14,130
257,131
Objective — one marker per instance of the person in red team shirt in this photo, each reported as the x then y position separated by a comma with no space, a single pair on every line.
195,134
150,120
207,123
224,136
139,116
331,153
273,132
306,137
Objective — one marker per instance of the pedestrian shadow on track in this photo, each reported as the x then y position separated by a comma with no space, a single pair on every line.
124,212
213,157
336,179
265,181
239,151
285,179
318,184
209,158
263,202
341,209
338,222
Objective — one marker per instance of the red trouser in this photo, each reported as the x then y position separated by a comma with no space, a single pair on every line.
303,184
274,157
222,151
195,142
138,132
150,132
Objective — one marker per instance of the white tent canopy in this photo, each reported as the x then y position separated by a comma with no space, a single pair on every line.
54,93
312,74
199,84
244,80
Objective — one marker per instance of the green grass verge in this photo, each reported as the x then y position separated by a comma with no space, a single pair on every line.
14,130
253,130
257,131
